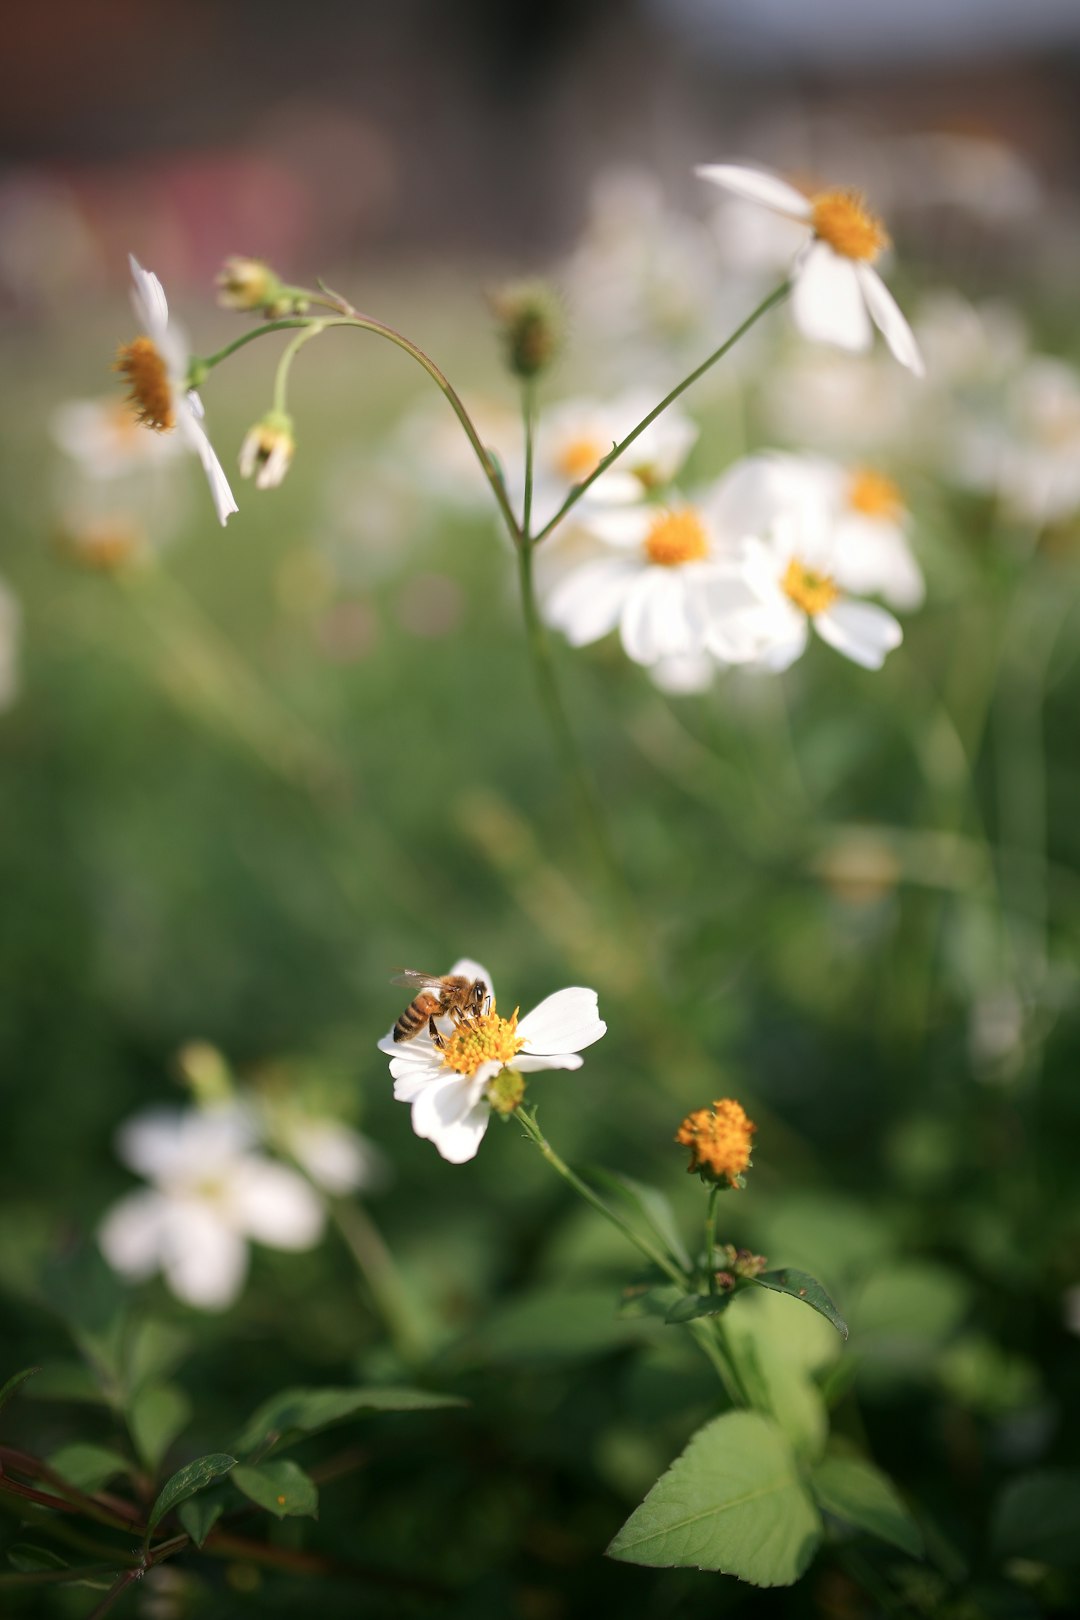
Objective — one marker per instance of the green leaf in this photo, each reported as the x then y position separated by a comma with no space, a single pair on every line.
66,1381
732,1502
558,1324
88,1467
906,1312
186,1481
152,1350
158,1413
280,1487
641,1300
28,1558
1038,1516
691,1306
199,1515
800,1285
295,1412
652,1205
854,1490
14,1383
774,1347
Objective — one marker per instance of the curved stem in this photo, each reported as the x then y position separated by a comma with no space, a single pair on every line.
281,376
775,297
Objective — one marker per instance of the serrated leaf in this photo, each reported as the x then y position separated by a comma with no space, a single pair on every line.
186,1481
800,1285
199,1515
295,1412
87,1467
281,1487
158,1413
691,1306
654,1208
854,1490
732,1502
1038,1516
15,1383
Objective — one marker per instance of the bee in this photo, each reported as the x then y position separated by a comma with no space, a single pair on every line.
439,995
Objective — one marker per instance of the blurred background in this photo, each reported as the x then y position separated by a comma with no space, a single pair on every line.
248,774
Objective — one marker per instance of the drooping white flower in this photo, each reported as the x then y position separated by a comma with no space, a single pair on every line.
155,365
448,1085
644,573
209,1194
837,296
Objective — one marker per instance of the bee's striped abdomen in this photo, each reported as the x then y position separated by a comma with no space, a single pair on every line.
416,1017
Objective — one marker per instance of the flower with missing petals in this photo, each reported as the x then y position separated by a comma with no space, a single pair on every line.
478,1068
155,367
210,1193
267,451
837,295
720,1141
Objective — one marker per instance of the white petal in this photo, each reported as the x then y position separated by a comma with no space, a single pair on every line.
205,1262
453,1114
563,1022
757,185
658,619
131,1233
148,299
466,968
587,604
415,1062
789,635
890,320
862,631
195,435
873,558
533,1062
274,1205
688,672
827,300
169,1144
625,526
336,1158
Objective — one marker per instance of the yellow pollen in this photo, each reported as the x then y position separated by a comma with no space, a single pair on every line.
719,1139
810,591
675,538
151,397
578,458
874,495
486,1038
842,219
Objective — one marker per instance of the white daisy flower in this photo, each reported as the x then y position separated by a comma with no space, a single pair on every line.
862,509
645,575
837,296
106,440
1027,447
796,575
155,365
210,1194
450,1087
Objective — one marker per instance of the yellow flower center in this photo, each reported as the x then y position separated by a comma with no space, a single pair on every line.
105,543
675,538
874,495
842,219
578,458
146,373
719,1139
811,591
487,1038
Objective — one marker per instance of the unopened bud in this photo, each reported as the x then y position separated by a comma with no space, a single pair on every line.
743,1262
249,284
506,1092
267,450
204,1069
531,326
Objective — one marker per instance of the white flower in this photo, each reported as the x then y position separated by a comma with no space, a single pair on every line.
210,1193
836,292
155,365
1028,448
104,437
447,1086
646,574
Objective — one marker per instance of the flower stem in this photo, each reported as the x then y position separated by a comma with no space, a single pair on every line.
387,1288
281,376
528,412
775,297
710,1237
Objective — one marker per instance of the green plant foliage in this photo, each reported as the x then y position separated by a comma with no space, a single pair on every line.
88,1467
689,1307
288,1416
733,1501
281,1487
199,1514
800,1286
158,1413
653,1206
862,1496
1038,1516
196,1476
15,1383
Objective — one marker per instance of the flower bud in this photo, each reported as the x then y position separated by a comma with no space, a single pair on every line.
719,1139
531,326
267,450
205,1071
249,284
506,1091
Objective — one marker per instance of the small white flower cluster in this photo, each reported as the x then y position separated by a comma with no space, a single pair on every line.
212,1192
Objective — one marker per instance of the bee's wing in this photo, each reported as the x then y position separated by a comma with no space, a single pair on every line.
418,981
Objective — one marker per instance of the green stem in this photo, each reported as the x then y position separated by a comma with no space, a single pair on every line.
384,1281
710,1238
281,376
775,297
528,411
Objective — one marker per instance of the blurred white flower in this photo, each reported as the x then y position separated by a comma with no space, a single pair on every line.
429,447
646,572
1070,1311
836,292
1027,451
337,1158
10,620
210,1194
846,403
106,440
155,365
448,1086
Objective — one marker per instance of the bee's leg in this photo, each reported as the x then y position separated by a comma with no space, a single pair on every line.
436,1033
